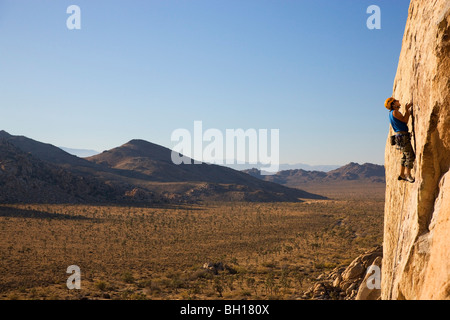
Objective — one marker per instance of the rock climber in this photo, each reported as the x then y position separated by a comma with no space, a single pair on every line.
399,123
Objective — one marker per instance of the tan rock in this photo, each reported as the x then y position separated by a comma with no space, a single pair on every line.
344,285
354,270
350,289
369,293
368,258
337,280
416,248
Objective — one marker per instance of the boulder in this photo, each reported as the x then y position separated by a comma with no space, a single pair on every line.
344,283
366,293
354,271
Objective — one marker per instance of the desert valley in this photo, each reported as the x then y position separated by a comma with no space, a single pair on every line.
140,227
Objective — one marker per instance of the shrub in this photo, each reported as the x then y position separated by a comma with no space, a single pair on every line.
101,285
127,277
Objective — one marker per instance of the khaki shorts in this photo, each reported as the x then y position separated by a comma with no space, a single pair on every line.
403,142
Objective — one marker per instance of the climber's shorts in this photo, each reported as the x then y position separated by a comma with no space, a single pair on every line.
403,142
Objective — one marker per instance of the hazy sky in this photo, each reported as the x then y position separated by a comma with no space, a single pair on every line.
141,69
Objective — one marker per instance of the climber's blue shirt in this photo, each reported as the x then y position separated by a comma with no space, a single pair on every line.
396,124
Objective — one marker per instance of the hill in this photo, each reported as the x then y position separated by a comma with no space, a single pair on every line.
43,151
366,172
25,178
353,181
143,171
199,180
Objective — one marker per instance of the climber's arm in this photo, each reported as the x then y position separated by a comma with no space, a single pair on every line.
403,118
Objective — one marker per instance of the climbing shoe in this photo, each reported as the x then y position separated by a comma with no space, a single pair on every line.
400,178
410,179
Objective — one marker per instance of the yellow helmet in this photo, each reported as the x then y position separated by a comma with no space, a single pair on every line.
388,103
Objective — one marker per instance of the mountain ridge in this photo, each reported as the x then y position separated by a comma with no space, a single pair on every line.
367,172
141,170
26,178
155,162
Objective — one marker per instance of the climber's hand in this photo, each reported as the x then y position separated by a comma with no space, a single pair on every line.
409,106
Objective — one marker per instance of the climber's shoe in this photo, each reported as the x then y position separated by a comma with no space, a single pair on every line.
410,179
400,178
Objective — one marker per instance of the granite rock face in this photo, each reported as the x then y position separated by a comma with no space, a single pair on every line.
416,246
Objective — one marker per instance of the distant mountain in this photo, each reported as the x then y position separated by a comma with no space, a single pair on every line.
143,171
308,167
355,171
81,153
155,162
283,166
366,172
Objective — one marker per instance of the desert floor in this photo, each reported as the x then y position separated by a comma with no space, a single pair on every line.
268,250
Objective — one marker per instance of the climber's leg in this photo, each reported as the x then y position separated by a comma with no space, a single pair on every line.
410,157
402,172
402,168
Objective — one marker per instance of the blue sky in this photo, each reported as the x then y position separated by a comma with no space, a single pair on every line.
141,69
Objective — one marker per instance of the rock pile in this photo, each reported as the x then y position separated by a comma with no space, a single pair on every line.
215,267
348,283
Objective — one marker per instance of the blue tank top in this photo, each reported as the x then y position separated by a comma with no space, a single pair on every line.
396,124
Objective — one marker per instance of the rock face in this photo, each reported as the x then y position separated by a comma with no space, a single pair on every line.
416,257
